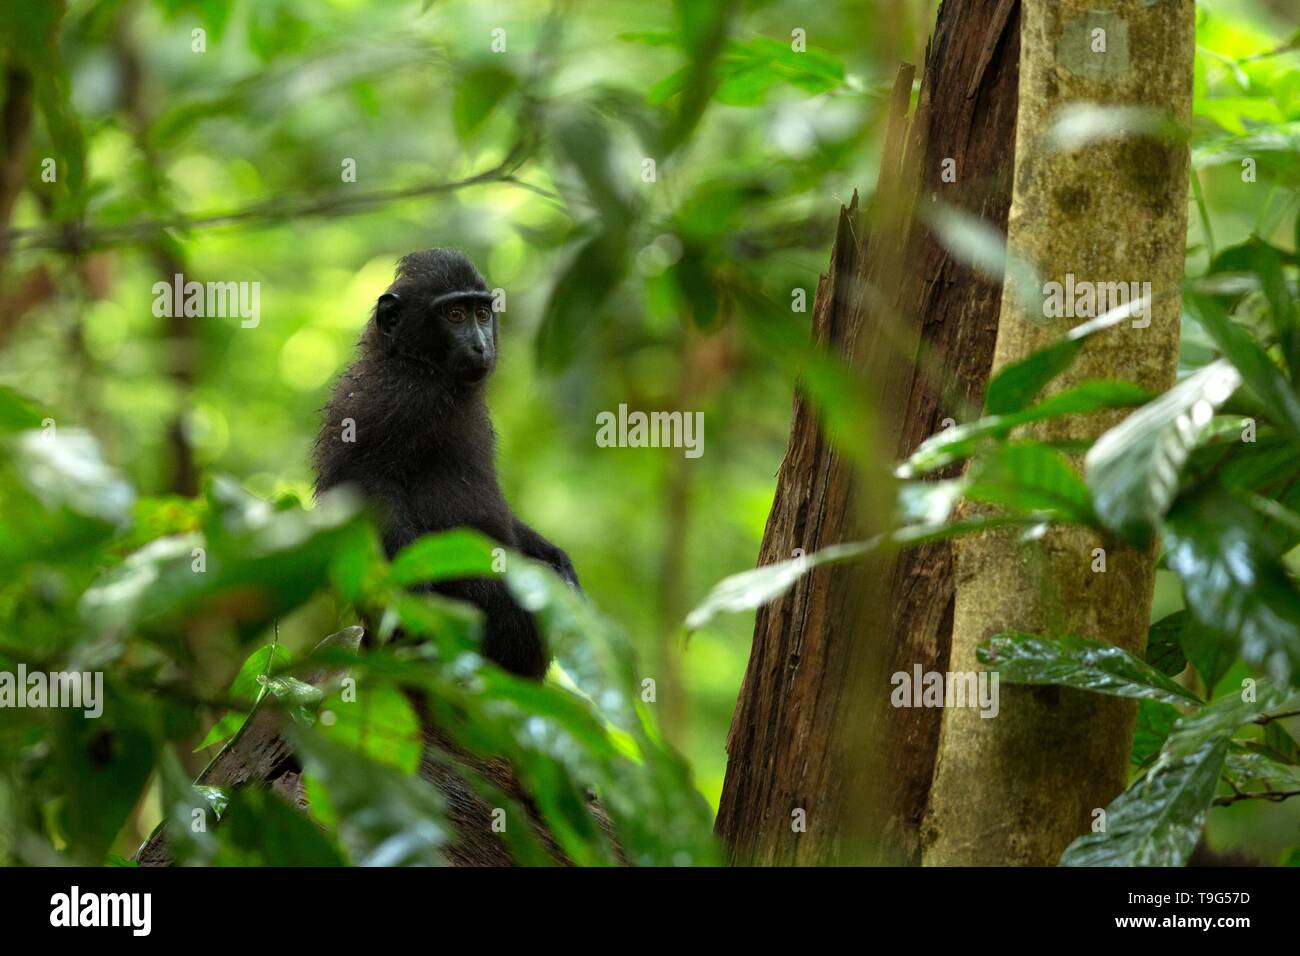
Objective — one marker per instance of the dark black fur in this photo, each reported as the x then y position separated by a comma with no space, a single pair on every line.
425,452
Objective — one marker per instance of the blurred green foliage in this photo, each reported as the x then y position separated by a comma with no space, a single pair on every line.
663,286
619,290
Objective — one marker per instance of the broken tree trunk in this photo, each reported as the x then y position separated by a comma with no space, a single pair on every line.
1019,788
259,755
812,729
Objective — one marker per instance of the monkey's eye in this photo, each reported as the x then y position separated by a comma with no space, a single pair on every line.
456,315
484,315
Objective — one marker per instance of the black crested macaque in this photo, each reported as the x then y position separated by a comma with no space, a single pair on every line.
408,426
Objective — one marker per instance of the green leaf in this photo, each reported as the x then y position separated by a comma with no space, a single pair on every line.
1134,468
478,93
704,30
1031,477
254,563
1080,663
60,500
1157,821
1211,653
1224,716
357,568
695,283
216,797
659,38
961,441
1164,645
267,660
31,34
658,816
751,589
450,627
1279,143
1257,369
583,141
157,517
1234,581
298,698
447,556
259,828
377,721
1279,744
64,470
183,804
812,70
559,747
1154,722
1015,386
1245,257
750,70
1267,262
1255,772
975,243
578,296
16,412
1281,523
560,742
104,764
1267,462
383,817
929,502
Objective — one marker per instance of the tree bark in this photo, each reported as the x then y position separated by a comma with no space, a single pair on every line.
259,755
15,135
812,730
1019,788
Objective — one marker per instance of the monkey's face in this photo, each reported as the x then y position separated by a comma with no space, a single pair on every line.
454,335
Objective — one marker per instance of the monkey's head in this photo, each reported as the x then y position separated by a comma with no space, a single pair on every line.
438,315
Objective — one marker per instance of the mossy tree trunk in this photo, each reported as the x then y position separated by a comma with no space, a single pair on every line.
813,736
1018,788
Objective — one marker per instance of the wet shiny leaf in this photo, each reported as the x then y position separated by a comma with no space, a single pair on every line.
1135,468
1234,582
1080,663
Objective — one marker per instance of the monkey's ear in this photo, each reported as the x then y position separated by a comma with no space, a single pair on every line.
386,311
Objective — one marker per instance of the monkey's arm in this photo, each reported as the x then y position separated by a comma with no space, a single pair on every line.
396,519
534,545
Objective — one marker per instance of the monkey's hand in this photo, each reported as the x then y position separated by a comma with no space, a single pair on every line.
534,545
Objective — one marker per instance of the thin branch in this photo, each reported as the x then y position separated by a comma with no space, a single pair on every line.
1273,796
1290,46
532,187
74,237
1269,718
